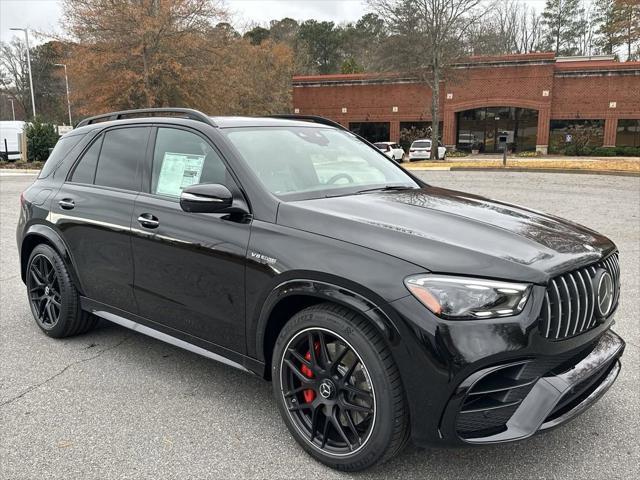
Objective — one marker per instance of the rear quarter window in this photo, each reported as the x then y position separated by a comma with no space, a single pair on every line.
63,148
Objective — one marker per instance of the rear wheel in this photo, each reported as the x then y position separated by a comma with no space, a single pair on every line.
338,389
53,298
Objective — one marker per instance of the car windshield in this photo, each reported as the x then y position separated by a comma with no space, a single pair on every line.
313,162
422,144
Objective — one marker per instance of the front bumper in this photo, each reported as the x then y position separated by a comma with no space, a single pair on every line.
532,383
553,399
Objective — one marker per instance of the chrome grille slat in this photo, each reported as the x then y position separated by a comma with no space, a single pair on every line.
568,307
574,322
567,296
585,310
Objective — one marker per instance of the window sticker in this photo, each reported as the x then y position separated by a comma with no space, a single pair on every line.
179,171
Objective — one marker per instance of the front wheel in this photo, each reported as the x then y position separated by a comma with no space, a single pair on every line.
338,388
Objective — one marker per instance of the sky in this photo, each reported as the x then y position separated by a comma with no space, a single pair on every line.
44,15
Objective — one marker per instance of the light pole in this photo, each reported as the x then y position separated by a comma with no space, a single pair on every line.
26,36
66,82
13,110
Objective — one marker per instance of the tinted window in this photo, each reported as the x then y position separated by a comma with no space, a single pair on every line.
181,159
60,151
121,151
85,170
422,144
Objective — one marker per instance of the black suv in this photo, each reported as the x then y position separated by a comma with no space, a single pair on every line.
381,308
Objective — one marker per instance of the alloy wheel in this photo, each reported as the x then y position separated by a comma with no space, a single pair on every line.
328,392
44,291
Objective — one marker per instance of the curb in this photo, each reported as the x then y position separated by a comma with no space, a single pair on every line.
620,173
18,171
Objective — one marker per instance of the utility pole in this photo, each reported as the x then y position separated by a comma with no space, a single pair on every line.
66,82
26,36
13,110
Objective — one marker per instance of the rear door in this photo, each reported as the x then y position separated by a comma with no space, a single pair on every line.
93,211
189,267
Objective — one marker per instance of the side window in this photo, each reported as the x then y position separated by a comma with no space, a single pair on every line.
85,170
122,149
64,146
181,159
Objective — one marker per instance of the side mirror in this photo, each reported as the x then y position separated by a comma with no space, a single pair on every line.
206,198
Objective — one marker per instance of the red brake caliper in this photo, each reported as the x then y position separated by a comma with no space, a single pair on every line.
309,395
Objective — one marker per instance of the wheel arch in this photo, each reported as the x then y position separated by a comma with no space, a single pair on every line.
293,295
38,234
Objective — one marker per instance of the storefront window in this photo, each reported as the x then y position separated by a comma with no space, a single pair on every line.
561,132
372,131
628,133
480,128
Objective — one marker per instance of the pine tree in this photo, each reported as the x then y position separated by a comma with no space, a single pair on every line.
561,19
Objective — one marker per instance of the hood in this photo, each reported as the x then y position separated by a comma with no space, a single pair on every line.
445,231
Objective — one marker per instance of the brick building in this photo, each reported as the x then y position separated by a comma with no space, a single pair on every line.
531,100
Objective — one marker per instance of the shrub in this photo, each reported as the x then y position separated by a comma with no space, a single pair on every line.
529,154
41,137
628,151
457,154
604,152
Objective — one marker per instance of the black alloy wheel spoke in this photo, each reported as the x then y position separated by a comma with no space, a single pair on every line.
352,427
301,376
356,408
312,352
329,399
337,426
44,291
358,392
300,358
324,353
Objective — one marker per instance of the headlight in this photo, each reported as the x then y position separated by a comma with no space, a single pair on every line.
461,297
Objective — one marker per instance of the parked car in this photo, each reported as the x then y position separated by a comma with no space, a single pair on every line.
392,150
421,150
10,132
382,308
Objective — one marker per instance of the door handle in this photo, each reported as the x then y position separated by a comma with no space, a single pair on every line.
67,204
148,221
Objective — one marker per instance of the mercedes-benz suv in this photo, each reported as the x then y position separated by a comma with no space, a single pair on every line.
382,308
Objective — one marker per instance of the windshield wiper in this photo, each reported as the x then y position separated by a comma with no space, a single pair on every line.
387,188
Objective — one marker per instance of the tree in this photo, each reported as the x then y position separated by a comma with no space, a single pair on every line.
322,43
627,25
147,53
427,40
360,43
41,137
14,76
257,35
606,40
561,19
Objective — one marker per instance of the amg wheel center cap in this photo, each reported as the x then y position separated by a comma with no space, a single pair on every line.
327,389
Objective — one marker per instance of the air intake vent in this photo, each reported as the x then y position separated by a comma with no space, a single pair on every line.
569,303
492,401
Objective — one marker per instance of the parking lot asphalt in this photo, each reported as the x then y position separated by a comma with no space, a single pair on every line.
117,404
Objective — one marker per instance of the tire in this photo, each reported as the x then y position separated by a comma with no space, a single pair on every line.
53,298
370,410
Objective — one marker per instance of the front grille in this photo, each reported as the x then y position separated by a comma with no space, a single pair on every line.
568,306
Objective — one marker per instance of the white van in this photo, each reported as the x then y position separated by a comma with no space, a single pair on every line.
9,139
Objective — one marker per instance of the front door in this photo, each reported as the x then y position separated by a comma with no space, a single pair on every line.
93,210
189,267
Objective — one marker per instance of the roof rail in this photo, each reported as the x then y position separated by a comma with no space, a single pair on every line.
186,112
311,118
